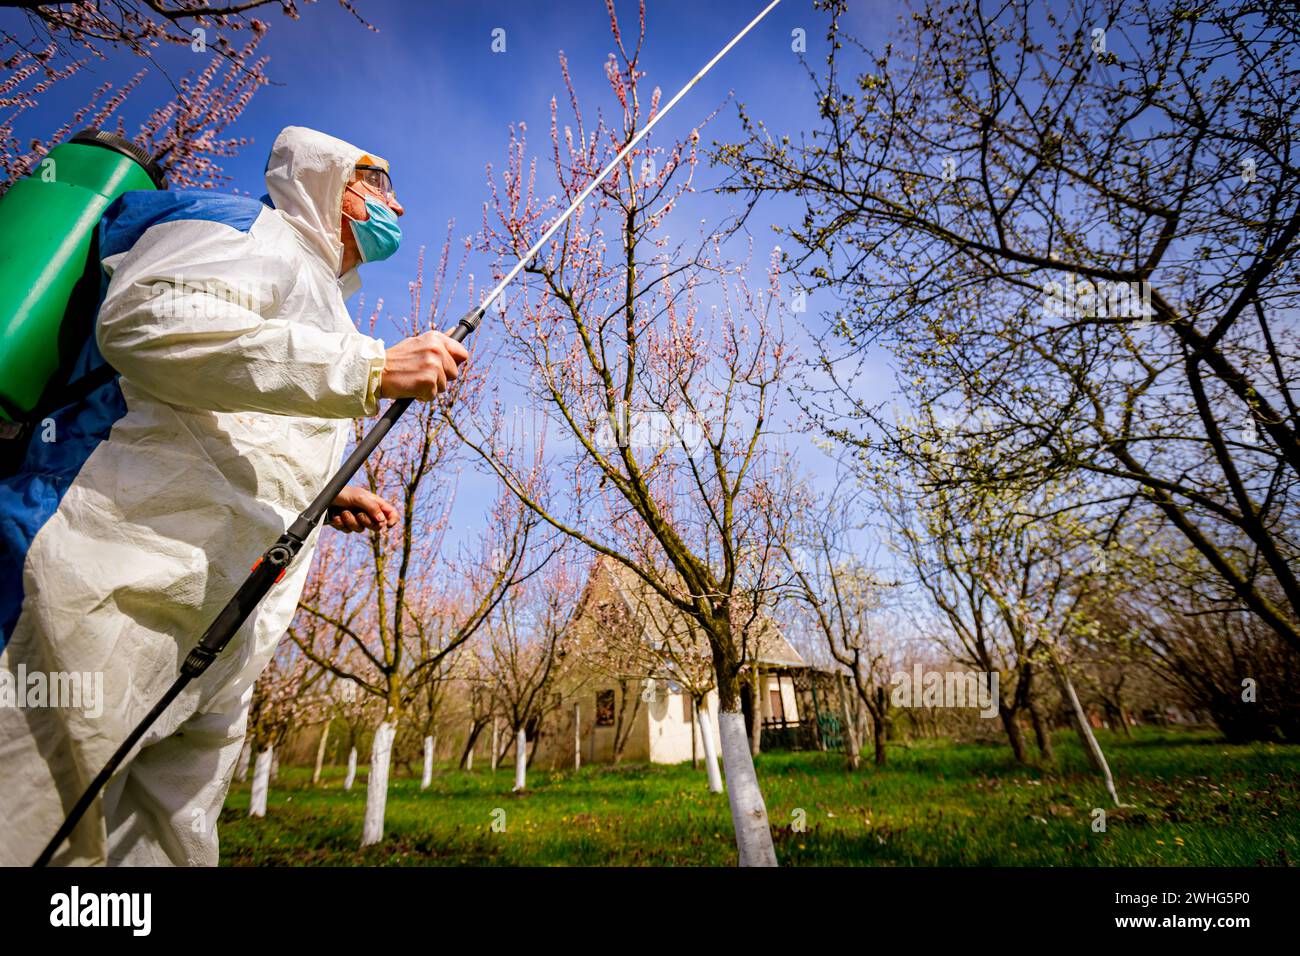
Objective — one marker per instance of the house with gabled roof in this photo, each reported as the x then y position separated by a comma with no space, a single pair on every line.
640,670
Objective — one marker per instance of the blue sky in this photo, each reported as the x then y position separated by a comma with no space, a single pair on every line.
427,92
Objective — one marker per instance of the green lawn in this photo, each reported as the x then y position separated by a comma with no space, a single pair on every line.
1197,802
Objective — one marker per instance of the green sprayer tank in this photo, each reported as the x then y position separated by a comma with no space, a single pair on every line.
49,288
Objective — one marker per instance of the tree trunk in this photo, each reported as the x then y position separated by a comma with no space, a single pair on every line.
521,761
381,753
864,717
621,717
275,765
755,716
875,706
577,736
320,754
850,734
427,780
245,754
261,783
537,746
467,758
748,812
352,769
1014,735
1042,733
496,743
1086,736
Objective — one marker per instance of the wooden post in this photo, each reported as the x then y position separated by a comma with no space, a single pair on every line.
496,744
577,736
710,745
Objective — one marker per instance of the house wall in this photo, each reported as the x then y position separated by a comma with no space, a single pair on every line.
672,726
661,731
599,741
769,683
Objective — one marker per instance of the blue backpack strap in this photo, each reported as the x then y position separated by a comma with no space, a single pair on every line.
82,413
132,213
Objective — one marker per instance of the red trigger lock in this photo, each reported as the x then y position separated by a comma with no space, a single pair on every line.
278,578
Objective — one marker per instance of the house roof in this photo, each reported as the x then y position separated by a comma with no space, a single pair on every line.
661,620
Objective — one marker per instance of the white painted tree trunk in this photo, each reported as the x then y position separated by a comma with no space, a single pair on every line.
320,754
245,754
381,753
521,761
577,736
352,770
427,779
469,757
748,812
496,743
710,746
261,783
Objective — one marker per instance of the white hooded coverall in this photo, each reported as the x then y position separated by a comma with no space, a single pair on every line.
240,368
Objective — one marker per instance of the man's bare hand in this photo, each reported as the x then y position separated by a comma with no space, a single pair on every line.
356,509
422,366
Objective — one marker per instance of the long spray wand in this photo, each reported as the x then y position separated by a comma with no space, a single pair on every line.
275,561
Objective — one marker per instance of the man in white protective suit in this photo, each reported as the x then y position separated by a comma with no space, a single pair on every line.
240,372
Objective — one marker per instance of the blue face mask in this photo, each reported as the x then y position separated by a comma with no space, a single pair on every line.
379,236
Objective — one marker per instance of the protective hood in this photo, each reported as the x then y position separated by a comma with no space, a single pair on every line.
305,177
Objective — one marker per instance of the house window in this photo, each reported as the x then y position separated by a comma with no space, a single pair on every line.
604,708
778,707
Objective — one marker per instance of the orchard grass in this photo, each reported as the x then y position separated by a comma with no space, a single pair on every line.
1196,802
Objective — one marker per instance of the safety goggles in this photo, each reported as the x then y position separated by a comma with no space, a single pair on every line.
377,178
